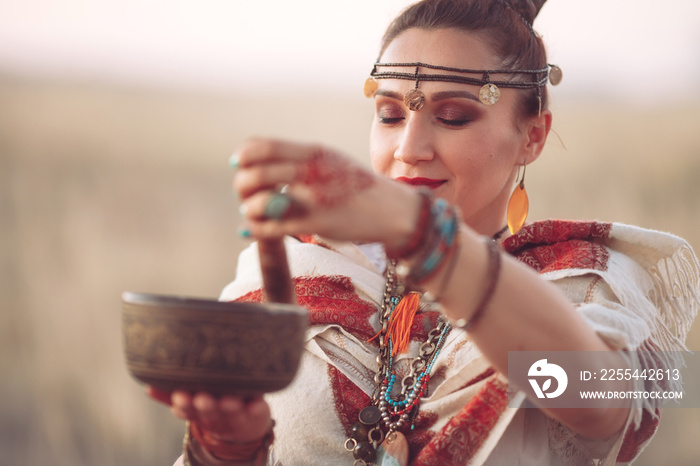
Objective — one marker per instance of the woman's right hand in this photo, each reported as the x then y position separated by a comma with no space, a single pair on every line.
228,418
332,194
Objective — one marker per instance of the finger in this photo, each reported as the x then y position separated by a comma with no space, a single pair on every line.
256,151
181,405
231,405
269,229
253,179
250,419
258,407
269,205
159,395
207,409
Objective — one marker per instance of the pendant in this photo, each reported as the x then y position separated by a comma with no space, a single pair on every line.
370,415
555,74
414,99
370,87
489,94
393,451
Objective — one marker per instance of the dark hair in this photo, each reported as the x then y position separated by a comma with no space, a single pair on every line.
505,25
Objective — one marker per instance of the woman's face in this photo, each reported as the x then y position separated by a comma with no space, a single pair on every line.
464,150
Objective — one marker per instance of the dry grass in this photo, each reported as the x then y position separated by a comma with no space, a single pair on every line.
108,189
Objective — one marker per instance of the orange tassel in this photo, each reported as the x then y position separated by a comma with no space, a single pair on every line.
400,322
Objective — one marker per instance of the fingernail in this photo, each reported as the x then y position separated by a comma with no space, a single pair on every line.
243,209
233,161
244,233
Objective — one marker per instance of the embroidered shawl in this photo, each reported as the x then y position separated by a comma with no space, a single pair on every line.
636,288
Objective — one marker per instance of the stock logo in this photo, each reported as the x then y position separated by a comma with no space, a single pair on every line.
546,371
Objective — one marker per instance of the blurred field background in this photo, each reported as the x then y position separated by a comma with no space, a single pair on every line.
114,175
107,188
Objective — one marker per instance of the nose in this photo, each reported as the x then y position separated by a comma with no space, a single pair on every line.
415,143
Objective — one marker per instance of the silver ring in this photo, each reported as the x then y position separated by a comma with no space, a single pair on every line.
277,206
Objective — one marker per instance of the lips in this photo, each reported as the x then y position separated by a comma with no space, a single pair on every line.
422,182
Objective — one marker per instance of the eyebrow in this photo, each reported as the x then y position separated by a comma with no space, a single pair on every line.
390,94
434,97
450,94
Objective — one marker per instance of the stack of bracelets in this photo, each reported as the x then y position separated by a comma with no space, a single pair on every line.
202,449
434,240
433,246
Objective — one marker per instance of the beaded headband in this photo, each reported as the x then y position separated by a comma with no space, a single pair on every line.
488,94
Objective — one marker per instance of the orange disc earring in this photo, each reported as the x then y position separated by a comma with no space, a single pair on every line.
518,206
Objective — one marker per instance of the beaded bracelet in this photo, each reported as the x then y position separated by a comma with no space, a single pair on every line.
492,273
434,298
221,453
437,247
420,233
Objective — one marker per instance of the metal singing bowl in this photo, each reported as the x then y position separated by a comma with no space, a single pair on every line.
192,344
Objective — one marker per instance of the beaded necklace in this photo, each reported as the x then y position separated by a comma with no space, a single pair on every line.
393,410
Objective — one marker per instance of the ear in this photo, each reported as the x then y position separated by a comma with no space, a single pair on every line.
536,132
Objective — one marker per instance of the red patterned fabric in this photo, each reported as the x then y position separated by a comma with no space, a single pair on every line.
333,300
330,300
308,239
559,245
349,399
635,440
465,433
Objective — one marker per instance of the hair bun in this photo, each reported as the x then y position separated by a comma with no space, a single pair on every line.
528,8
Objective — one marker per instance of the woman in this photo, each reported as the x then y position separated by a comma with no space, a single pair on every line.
460,110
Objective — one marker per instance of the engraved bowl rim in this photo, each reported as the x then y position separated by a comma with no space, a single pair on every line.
156,300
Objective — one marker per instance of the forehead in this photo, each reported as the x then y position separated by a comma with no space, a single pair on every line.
445,47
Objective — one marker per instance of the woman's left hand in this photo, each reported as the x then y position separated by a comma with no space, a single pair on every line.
325,193
229,418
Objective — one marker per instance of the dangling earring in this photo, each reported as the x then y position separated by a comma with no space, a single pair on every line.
518,206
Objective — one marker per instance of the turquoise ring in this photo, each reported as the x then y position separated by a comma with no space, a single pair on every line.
278,206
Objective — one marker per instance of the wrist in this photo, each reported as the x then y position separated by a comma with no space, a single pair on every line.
438,242
490,277
413,229
201,448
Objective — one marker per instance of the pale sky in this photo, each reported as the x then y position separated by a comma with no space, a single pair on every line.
633,49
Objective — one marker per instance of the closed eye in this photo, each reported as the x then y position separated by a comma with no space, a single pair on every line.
454,116
390,120
454,122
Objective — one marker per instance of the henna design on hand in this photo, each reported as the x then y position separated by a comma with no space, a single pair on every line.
333,179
